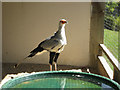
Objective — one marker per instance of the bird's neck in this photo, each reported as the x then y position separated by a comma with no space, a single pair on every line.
61,33
61,28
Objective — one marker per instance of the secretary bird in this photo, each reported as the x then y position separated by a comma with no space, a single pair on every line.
54,44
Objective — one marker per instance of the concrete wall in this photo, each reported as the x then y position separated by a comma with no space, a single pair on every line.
25,25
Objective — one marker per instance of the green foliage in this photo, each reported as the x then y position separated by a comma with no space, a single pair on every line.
112,13
118,20
111,6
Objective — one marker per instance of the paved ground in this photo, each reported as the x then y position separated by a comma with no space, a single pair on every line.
8,68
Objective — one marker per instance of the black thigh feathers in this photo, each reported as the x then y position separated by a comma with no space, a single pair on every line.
53,57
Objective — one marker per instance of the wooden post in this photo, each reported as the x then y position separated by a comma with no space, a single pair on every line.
96,33
116,76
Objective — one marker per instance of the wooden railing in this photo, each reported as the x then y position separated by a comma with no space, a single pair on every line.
112,74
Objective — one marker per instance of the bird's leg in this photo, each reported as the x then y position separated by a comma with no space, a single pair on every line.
55,60
55,66
50,67
52,55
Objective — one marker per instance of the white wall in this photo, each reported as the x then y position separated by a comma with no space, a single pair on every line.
25,25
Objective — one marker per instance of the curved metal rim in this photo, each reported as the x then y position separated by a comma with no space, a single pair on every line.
60,72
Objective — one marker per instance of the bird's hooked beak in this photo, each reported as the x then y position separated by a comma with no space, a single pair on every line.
66,22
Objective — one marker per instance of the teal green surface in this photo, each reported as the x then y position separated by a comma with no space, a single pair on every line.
56,83
61,79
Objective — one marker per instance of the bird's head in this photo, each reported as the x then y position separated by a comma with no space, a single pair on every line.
62,22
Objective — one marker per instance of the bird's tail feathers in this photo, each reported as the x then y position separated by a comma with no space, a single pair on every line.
38,49
32,53
29,56
35,51
16,65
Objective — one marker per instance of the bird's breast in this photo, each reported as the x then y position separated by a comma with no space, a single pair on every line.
64,40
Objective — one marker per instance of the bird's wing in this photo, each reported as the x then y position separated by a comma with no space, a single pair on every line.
51,43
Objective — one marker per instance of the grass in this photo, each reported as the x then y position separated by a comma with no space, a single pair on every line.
111,42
